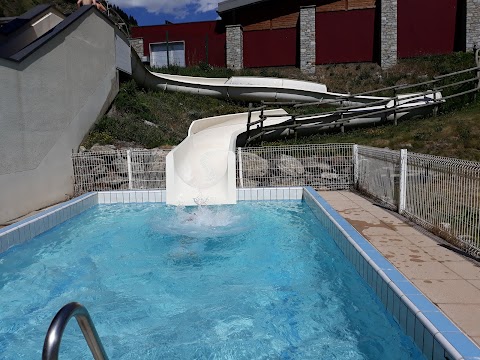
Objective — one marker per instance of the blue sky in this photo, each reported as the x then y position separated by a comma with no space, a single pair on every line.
155,12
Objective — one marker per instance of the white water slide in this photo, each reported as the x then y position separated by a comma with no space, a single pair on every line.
201,169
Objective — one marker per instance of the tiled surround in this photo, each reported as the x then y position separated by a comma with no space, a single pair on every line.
32,226
431,330
133,196
254,194
433,333
281,193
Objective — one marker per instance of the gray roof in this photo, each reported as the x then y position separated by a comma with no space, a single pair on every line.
235,4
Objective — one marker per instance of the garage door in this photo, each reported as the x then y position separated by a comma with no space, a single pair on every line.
175,50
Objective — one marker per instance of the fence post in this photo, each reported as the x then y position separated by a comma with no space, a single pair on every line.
129,169
355,165
403,181
240,167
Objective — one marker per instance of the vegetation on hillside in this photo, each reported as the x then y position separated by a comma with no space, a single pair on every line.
144,118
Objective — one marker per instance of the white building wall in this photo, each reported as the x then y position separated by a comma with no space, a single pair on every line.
48,102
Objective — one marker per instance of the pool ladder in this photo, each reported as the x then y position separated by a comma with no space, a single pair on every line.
51,346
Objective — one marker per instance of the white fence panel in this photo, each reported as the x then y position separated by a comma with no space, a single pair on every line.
379,174
443,195
324,167
119,170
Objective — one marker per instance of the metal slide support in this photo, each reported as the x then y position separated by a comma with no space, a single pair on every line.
403,181
51,346
249,119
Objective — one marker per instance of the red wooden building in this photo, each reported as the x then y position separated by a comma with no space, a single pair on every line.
271,33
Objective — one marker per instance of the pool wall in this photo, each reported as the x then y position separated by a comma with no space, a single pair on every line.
434,334
432,331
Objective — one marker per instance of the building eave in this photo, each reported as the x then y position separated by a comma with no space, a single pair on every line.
230,5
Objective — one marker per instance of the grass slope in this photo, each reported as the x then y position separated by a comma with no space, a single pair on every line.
149,119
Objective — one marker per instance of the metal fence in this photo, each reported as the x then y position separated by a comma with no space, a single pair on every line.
324,167
119,170
441,194
377,174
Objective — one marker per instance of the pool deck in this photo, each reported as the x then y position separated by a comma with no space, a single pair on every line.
449,279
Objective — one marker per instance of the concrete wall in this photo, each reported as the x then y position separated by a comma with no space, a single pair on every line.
48,103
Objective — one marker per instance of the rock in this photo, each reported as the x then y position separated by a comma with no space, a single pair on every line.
102,148
290,166
82,149
253,166
313,165
149,123
329,176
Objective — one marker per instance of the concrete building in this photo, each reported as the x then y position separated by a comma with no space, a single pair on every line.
57,76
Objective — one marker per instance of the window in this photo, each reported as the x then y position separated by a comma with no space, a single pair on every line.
175,51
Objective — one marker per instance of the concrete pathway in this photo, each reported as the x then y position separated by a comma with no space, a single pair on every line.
451,281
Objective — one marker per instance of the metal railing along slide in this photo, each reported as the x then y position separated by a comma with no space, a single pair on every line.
51,346
386,109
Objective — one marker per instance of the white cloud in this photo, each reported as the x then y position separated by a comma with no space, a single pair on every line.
178,8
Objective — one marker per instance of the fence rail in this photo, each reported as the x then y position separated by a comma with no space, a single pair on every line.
119,170
441,194
324,167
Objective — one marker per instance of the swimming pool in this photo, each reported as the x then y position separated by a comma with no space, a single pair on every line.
265,292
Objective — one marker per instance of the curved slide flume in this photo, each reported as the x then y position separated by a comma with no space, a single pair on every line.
244,88
201,169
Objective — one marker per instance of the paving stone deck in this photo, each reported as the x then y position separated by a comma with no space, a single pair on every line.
448,278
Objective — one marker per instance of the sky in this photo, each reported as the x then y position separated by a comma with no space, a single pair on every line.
156,12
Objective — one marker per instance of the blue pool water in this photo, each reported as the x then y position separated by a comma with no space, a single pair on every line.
251,281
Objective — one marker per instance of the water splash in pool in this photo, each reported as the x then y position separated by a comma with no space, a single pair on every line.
205,222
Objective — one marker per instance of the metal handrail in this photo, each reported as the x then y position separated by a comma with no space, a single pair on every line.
51,346
344,110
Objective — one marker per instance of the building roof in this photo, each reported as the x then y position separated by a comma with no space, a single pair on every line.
229,5
17,22
42,40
